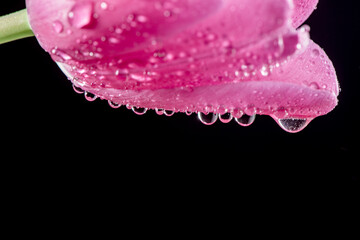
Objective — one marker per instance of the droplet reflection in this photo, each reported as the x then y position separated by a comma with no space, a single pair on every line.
208,118
293,125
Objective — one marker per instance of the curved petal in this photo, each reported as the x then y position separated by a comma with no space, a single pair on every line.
84,21
305,87
148,44
302,10
190,55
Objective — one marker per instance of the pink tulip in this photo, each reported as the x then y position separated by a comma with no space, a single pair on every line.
220,58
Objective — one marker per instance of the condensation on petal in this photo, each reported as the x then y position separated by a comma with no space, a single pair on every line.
198,44
302,10
305,87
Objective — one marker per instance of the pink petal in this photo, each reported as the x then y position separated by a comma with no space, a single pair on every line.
305,87
153,44
303,9
192,55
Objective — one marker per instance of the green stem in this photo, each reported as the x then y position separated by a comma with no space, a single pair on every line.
15,26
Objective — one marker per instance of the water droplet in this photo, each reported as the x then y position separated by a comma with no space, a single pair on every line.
144,77
159,111
104,5
139,111
293,125
265,71
169,113
188,113
90,96
64,56
167,13
315,53
81,15
245,120
208,118
78,89
226,117
314,85
58,27
141,19
114,104
114,40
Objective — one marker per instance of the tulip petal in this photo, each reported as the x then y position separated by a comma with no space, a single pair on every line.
305,87
191,55
302,10
155,50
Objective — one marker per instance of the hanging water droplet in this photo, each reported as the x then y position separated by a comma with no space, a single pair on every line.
139,111
114,40
78,89
293,125
245,120
63,55
90,96
159,111
226,117
169,113
114,104
208,118
81,15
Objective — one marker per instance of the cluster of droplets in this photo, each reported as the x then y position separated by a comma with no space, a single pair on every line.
291,125
210,118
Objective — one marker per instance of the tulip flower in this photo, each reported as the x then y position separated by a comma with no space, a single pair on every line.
222,59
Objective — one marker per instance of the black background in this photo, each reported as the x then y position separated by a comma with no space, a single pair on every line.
44,118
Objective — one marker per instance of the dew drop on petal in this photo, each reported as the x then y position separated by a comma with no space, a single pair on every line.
208,118
114,104
169,113
90,96
314,85
245,120
63,55
315,53
78,89
81,15
159,111
58,27
237,113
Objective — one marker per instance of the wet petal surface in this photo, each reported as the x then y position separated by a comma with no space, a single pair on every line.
225,59
302,10
306,86
148,48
